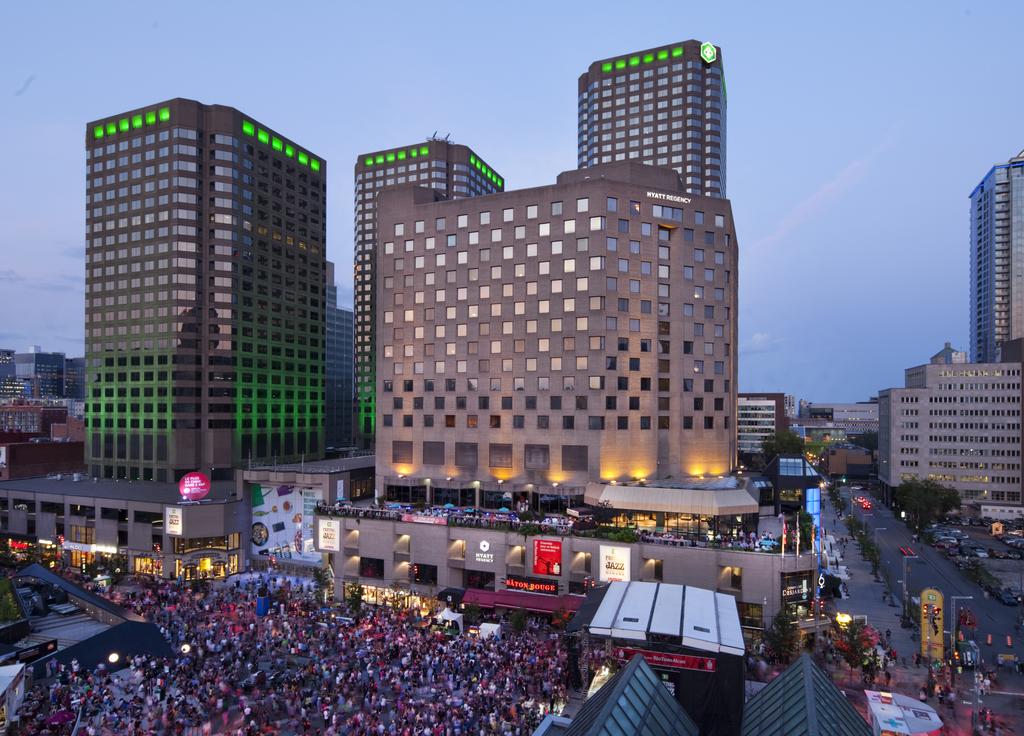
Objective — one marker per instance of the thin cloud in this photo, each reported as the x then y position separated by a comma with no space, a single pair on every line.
10,277
760,342
812,205
25,85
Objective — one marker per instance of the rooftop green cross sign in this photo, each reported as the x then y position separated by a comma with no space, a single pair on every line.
708,52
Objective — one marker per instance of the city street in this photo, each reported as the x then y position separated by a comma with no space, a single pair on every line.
931,570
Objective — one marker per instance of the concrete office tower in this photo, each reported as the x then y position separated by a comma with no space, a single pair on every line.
340,361
997,260
759,416
959,424
10,386
204,293
539,339
451,171
664,106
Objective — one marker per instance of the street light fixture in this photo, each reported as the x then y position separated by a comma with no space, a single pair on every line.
952,630
905,558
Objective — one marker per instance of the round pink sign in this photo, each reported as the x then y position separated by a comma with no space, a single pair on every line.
194,486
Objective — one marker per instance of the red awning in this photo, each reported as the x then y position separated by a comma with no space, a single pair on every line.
535,602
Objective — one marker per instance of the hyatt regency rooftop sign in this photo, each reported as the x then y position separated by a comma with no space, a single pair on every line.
669,197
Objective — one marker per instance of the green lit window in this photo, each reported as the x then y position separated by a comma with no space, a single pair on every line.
677,51
151,117
663,54
379,159
165,114
97,132
369,161
634,60
478,164
289,151
424,150
606,67
111,128
136,121
390,157
400,155
472,158
314,164
248,128
648,58
501,182
123,124
277,144
414,152
263,136
620,64
303,159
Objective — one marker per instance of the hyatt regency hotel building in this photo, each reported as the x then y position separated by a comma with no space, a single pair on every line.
534,341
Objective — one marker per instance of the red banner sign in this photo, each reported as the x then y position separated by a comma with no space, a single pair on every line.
547,557
668,660
424,519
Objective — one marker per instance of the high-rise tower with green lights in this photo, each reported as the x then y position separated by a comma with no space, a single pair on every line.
664,106
452,171
205,291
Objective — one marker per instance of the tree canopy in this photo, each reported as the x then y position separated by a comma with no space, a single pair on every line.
782,442
925,500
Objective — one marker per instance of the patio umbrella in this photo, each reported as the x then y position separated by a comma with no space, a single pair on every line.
449,506
504,510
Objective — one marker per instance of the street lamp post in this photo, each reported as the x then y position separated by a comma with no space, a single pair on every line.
905,558
952,630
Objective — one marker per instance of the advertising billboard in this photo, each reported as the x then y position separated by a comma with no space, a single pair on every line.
194,486
614,564
547,557
531,585
174,523
329,535
283,521
932,621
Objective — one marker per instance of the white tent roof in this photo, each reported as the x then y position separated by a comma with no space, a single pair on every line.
8,673
694,617
702,501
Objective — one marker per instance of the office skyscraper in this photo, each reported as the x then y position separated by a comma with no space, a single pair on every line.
205,280
534,341
41,374
74,379
665,106
450,170
10,386
340,359
997,259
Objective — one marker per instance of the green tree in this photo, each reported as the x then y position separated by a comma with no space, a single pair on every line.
782,638
354,597
471,613
323,581
925,500
782,442
855,643
517,620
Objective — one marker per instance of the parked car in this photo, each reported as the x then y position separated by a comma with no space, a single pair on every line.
1006,598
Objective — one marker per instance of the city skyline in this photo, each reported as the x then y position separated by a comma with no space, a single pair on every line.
820,189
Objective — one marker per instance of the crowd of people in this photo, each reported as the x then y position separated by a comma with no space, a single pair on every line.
304,669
